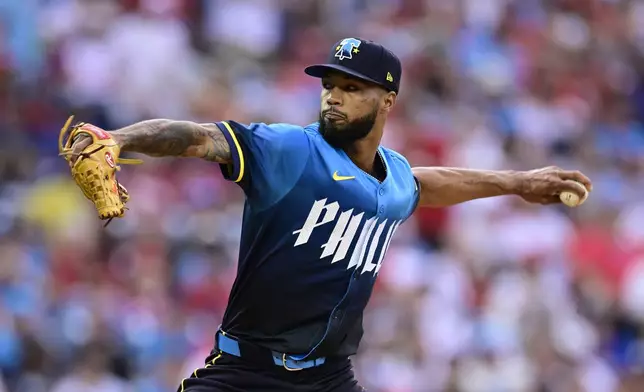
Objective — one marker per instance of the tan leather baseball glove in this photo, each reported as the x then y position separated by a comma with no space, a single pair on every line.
94,167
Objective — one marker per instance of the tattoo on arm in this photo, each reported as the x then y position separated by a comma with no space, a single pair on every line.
161,137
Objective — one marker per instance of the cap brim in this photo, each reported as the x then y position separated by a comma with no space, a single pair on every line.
322,70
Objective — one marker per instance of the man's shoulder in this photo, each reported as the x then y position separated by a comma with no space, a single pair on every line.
281,134
273,126
401,174
400,167
312,130
395,158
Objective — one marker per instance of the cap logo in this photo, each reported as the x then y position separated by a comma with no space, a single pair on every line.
390,78
346,48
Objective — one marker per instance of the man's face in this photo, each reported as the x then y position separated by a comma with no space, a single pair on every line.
349,109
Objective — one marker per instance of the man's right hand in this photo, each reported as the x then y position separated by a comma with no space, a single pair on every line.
79,143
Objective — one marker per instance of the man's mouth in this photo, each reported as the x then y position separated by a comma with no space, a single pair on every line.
333,115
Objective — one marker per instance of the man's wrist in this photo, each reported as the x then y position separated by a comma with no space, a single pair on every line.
515,182
118,138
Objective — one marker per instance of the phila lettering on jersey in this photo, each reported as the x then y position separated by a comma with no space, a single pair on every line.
364,240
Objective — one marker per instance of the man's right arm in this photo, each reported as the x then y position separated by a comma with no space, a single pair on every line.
162,138
272,155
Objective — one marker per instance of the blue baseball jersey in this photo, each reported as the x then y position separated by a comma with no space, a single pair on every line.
314,235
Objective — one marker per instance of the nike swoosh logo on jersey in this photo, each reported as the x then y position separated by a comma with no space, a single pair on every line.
338,177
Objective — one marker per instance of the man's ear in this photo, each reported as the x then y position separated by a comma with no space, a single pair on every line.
389,101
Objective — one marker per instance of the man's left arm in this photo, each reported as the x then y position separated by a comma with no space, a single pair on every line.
445,186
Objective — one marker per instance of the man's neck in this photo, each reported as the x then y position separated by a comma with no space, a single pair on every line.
364,154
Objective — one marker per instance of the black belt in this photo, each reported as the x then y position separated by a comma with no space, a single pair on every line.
238,348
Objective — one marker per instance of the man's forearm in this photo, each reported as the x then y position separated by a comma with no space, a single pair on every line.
442,186
162,137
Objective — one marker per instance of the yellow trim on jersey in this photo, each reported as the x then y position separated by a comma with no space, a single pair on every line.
239,151
212,363
194,374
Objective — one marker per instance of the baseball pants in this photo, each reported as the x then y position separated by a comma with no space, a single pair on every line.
227,373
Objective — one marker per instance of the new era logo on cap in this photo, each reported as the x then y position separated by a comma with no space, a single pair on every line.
363,59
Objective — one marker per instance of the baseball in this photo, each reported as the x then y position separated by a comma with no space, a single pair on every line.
571,199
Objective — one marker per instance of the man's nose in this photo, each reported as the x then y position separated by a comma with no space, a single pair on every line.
334,97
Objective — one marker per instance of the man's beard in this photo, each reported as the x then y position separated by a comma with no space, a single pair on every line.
347,133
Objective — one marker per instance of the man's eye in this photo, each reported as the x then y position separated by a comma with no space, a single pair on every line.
352,88
327,86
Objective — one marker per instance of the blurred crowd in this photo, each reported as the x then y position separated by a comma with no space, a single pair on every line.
489,296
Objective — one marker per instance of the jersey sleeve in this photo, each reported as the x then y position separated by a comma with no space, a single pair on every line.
416,198
267,159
